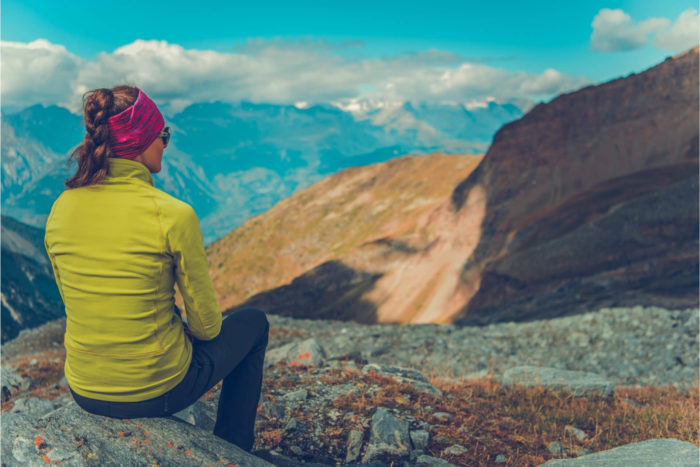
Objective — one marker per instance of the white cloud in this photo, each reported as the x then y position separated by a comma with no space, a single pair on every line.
683,34
276,71
37,72
615,30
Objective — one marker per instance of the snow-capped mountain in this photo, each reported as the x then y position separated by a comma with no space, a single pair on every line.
234,161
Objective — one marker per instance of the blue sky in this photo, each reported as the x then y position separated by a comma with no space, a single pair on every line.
372,50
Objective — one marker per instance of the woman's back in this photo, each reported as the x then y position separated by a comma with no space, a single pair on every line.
114,247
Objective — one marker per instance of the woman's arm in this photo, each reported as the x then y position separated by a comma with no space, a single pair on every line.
186,245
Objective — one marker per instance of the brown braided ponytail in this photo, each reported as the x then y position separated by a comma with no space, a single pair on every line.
94,152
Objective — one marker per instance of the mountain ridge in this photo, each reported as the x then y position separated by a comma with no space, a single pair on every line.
549,182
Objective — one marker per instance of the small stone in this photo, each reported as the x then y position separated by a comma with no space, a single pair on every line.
634,404
443,416
578,433
301,354
34,406
296,450
12,383
297,396
577,382
455,450
429,461
388,436
481,374
556,449
419,438
197,414
354,446
271,411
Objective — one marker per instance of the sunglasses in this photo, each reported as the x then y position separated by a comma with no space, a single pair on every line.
165,135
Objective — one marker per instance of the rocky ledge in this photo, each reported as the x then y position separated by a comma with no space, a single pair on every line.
350,394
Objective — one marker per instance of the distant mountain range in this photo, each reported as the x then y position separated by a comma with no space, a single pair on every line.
588,201
233,161
29,293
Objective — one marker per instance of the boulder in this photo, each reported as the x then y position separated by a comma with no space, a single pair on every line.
12,383
388,437
305,353
666,452
577,382
72,437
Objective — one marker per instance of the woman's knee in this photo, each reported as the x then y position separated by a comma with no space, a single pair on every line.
253,317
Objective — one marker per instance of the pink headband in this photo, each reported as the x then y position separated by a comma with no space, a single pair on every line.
134,129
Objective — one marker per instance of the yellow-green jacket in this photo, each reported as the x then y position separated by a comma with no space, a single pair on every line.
117,249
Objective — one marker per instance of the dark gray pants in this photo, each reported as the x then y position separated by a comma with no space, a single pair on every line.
236,355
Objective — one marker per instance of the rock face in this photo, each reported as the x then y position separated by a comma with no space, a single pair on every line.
667,452
591,200
73,437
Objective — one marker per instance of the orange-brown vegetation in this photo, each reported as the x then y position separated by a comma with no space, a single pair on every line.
371,219
490,419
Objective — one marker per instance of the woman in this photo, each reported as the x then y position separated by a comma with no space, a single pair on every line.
117,246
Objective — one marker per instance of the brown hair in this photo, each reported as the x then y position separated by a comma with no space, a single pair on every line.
94,152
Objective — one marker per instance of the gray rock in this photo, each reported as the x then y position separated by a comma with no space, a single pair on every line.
577,382
74,437
295,428
443,416
405,375
271,411
297,396
12,383
388,437
481,374
305,353
578,433
354,446
556,448
429,461
198,414
33,406
654,452
420,439
455,450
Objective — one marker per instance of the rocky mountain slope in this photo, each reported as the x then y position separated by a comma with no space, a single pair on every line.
336,239
589,200
379,395
29,293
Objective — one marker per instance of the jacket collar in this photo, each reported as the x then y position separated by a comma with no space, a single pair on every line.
126,168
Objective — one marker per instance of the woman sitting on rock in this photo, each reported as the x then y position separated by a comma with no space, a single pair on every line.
117,246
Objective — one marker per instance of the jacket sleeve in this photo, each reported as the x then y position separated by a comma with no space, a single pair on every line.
47,232
186,245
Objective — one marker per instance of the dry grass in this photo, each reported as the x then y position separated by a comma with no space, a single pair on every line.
489,419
